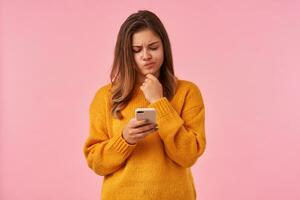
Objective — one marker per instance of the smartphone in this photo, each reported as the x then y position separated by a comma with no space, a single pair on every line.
146,113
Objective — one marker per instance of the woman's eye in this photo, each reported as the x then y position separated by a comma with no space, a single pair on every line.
138,50
135,50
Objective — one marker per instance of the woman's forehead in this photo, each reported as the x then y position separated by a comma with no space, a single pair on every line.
144,37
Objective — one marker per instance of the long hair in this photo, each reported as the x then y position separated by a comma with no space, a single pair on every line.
123,75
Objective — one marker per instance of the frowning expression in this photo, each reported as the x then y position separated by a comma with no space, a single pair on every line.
148,52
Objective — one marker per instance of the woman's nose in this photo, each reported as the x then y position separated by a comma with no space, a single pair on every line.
146,55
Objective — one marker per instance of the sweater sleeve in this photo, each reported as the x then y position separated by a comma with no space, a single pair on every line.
183,136
104,155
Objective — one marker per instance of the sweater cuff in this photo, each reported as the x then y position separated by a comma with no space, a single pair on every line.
163,107
120,145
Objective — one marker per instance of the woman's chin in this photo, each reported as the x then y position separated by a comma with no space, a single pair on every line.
145,72
150,71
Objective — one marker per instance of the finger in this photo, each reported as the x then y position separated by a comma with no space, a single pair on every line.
150,76
144,128
143,125
143,134
139,137
137,123
147,80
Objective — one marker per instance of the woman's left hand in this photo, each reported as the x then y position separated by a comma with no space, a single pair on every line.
152,88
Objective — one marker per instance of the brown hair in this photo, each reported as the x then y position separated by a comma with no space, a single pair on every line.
124,69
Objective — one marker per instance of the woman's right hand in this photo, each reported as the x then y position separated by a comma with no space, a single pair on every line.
136,130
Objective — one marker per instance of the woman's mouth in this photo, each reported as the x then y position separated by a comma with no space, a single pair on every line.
149,64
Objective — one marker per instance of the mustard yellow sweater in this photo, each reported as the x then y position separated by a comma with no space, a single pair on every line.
158,167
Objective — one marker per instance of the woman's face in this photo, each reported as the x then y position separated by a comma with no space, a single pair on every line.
148,53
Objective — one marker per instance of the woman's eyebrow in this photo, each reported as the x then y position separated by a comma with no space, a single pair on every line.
148,45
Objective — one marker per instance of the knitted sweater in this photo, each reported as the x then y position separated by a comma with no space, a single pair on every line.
158,167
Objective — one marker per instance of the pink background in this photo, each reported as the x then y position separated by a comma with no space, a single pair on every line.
244,56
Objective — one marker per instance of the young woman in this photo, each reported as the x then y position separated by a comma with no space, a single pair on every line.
138,159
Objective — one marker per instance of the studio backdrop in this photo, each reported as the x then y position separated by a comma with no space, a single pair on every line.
243,55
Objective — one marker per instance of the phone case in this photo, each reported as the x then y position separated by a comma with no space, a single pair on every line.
146,113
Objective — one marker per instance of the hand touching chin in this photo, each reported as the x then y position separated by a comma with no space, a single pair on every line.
152,88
